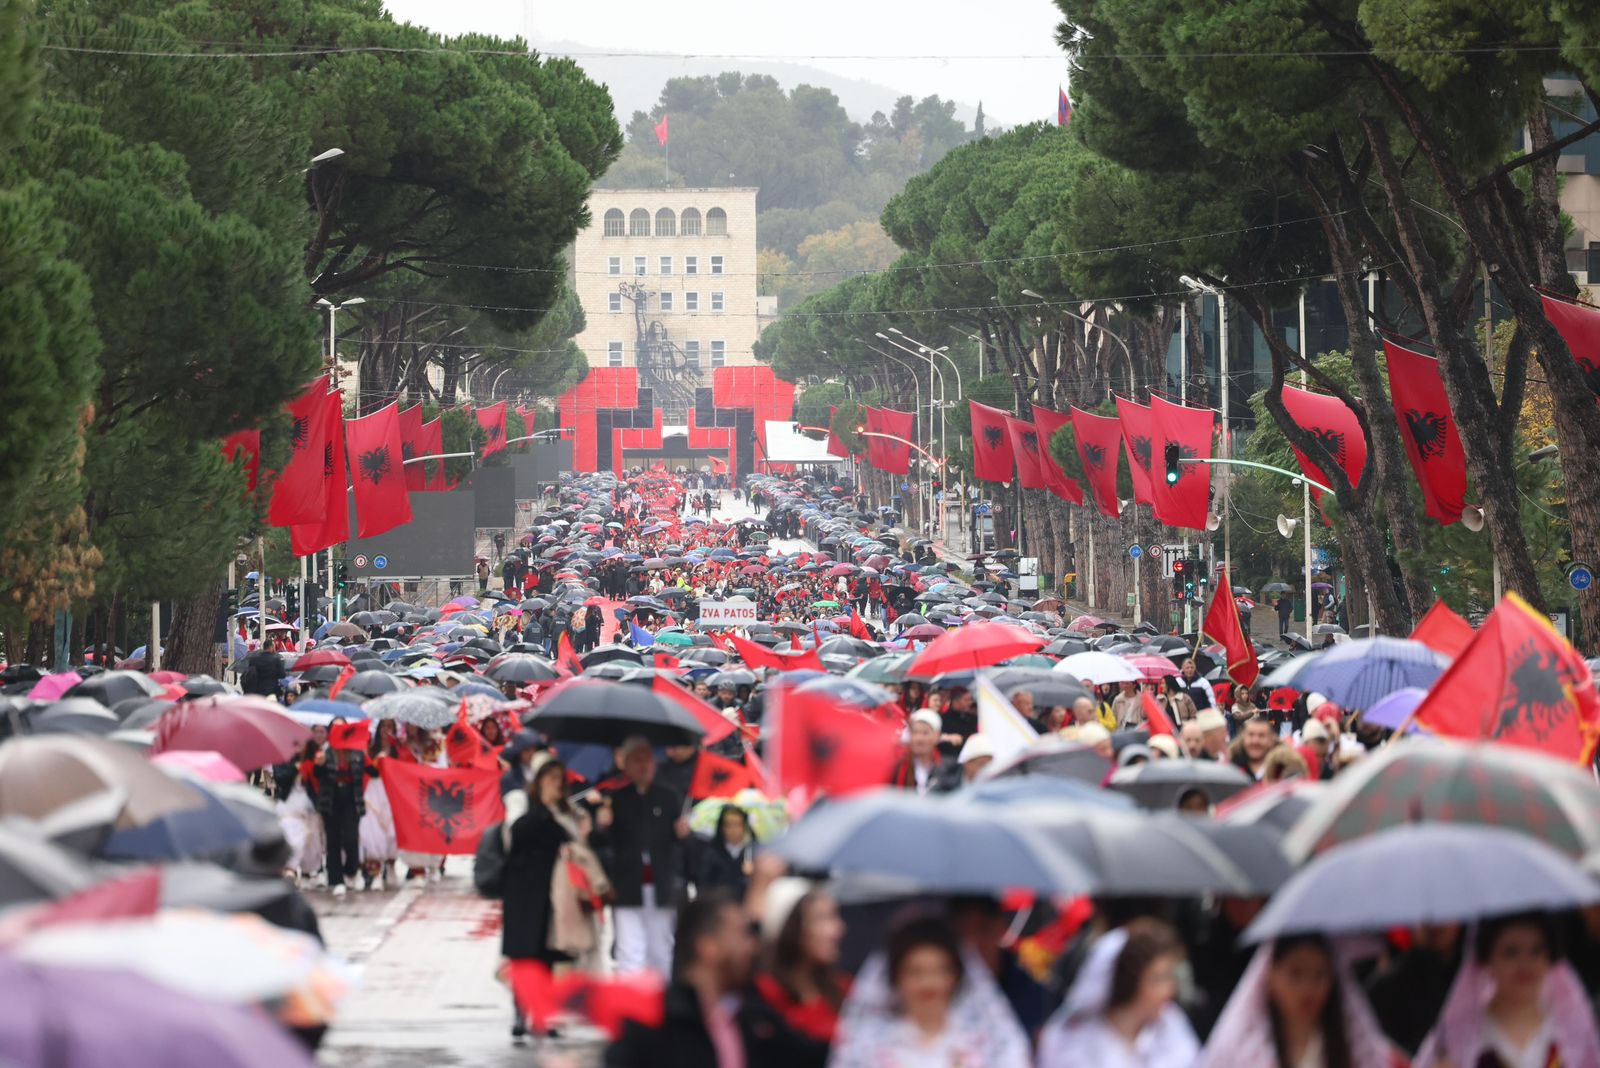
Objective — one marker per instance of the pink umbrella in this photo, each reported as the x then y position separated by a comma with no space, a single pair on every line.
52,687
167,676
1154,667
209,764
251,732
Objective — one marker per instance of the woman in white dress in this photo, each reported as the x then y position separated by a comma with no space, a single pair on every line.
302,830
1120,1011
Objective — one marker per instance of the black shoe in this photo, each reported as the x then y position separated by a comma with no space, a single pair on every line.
519,1032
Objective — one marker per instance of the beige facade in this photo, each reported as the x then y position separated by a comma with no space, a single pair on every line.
667,279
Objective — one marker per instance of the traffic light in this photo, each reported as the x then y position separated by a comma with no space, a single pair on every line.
341,575
1197,568
291,600
1170,453
1179,587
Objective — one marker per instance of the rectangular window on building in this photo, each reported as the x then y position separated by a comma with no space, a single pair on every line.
691,302
716,264
614,265
666,301
716,302
639,265
616,303
666,264
691,354
614,354
691,265
719,354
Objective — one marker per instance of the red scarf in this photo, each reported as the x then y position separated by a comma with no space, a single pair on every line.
815,1018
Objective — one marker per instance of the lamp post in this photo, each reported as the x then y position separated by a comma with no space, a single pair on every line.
1227,434
916,385
932,368
333,355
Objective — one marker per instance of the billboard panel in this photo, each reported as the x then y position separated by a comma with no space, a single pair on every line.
439,541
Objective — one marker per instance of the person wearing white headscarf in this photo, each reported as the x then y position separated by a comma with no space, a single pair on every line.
1515,1003
1120,1011
1298,1006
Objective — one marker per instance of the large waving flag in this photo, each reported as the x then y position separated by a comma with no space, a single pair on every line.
1000,722
991,443
377,471
1099,441
1025,447
1223,626
1135,420
1428,431
1441,630
1183,503
1336,428
333,525
441,810
299,494
1047,423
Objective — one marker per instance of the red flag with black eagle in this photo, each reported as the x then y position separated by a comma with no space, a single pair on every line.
1223,626
298,494
373,444
991,443
1579,326
1183,503
1046,423
431,443
333,528
1518,683
443,811
493,421
716,725
821,746
1025,447
1335,426
566,659
716,776
1099,440
1433,444
466,747
1135,422
411,446
249,443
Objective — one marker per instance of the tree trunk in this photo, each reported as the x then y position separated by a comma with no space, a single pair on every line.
190,645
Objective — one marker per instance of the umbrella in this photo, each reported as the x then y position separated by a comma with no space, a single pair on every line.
53,687
1252,847
591,710
973,646
211,831
1276,587
141,713
74,715
890,669
206,764
1049,688
939,845
45,773
373,683
1154,667
1162,783
1454,782
1065,647
1424,874
520,667
113,1017
923,632
1054,756
1013,790
34,869
1274,806
1135,855
1393,711
607,653
109,687
205,686
250,731
346,630
422,707
1360,673
1102,669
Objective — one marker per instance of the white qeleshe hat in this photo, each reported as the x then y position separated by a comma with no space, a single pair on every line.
929,717
977,747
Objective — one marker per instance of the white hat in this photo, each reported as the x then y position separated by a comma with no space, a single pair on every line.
977,747
930,717
783,896
1092,734
1163,744
1313,731
1314,701
1211,720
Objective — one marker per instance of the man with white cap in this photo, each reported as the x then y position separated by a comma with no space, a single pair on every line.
923,768
977,753
1213,734
1097,738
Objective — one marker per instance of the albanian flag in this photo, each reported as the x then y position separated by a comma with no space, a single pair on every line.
835,446
896,455
442,811
1223,626
430,442
1579,327
819,745
466,747
1099,441
350,735
1025,447
1335,426
1432,442
1441,630
991,444
493,421
249,443
411,446
373,444
1519,683
299,495
1046,423
334,525
717,726
759,656
716,776
606,1003
1182,503
1135,422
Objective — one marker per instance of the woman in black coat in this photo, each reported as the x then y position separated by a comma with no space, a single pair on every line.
727,860
534,841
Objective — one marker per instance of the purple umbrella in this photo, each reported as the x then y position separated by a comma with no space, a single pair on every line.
84,1018
1395,709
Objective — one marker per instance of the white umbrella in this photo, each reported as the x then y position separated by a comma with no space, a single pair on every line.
1102,669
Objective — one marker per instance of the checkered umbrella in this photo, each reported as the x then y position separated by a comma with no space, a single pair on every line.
1437,781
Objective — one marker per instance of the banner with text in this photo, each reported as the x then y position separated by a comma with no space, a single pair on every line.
734,613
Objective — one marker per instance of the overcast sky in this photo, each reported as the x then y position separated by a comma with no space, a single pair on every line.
886,37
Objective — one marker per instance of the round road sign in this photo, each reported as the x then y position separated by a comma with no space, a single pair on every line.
1135,551
359,560
1580,576
380,562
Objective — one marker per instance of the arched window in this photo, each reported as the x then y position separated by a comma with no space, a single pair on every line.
639,223
716,223
666,223
691,222
613,222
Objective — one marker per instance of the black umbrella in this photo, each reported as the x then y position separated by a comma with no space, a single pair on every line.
607,653
139,713
600,712
74,715
33,869
112,686
1058,757
1161,783
1049,688
520,667
374,683
1066,647
845,645
204,686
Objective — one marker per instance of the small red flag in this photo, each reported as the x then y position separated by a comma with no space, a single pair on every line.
333,526
297,495
606,1003
1519,683
441,810
466,747
350,735
346,673
757,656
1223,626
717,726
1429,433
1441,630
820,746
858,626
1155,717
567,661
377,471
666,661
249,443
662,130
716,776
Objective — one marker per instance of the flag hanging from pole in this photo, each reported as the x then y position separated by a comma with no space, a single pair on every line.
991,443
1063,108
373,443
333,525
662,131
1223,626
300,491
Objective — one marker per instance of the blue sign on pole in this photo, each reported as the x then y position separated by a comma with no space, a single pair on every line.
1580,576
380,562
1135,551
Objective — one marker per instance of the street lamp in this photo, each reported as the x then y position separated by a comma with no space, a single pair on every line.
323,157
917,386
1227,435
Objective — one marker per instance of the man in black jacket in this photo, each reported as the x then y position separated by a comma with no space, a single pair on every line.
640,831
263,673
341,782
698,1028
